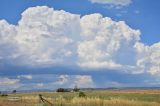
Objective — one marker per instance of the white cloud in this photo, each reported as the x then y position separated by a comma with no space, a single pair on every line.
57,81
25,76
113,2
83,81
9,84
47,37
106,43
148,57
40,85
63,79
7,43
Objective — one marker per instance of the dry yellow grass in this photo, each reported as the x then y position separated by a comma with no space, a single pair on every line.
96,98
34,101
111,102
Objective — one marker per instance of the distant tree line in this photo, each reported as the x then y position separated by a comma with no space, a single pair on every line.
62,90
75,89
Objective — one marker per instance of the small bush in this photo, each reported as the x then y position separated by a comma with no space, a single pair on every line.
3,95
82,94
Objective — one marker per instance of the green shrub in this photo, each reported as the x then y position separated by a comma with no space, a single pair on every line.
82,94
3,95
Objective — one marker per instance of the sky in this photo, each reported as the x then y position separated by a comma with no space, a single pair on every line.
47,44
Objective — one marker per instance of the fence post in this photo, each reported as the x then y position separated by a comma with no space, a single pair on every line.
44,100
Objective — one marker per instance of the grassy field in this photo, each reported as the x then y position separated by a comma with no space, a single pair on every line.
93,98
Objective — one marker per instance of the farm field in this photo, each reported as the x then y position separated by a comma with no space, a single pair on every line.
93,98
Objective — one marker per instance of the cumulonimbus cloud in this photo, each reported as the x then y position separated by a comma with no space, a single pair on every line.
47,37
106,43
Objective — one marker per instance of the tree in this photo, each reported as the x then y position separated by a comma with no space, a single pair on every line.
76,89
62,90
14,91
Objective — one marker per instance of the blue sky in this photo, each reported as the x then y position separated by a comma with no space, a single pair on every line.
42,46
